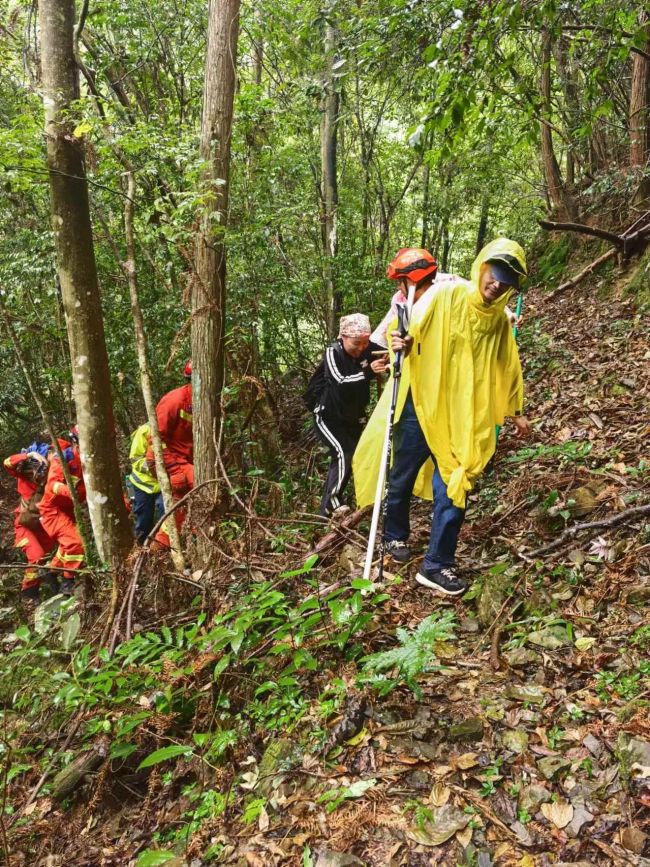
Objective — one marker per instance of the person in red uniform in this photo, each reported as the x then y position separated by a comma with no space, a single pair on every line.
174,414
57,512
29,467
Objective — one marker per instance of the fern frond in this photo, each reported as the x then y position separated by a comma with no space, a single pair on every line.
416,653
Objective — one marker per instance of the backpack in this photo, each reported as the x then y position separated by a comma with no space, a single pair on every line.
314,392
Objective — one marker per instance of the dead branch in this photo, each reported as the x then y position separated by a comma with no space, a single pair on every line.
41,781
337,535
585,272
627,243
570,532
581,229
114,628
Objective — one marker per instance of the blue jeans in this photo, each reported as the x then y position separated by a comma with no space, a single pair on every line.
410,451
145,507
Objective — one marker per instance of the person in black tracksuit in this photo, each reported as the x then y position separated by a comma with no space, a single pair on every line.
338,394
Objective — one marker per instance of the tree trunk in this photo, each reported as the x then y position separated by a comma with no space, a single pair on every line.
446,245
209,286
258,47
481,234
329,185
561,200
640,110
425,207
567,73
79,286
145,373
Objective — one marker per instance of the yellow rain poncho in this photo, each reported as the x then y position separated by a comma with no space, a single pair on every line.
465,378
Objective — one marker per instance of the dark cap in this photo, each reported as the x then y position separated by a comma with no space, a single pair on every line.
506,270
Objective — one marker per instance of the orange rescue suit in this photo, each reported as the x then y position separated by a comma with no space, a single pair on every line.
34,541
57,514
174,414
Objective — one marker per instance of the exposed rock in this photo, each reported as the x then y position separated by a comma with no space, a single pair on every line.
515,741
633,839
639,593
549,766
521,656
534,694
594,746
271,765
639,750
328,858
551,638
446,821
581,816
468,624
531,797
491,599
470,729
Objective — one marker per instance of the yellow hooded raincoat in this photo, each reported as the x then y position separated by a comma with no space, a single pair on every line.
465,378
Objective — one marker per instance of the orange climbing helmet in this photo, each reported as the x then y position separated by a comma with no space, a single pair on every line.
414,263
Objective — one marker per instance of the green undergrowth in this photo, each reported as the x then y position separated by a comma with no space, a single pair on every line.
197,692
639,284
180,707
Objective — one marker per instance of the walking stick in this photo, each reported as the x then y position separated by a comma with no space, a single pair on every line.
515,332
520,301
403,320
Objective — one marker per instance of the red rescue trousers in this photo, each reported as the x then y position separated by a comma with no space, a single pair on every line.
63,530
181,478
36,544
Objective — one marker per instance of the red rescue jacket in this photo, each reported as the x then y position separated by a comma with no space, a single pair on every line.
174,413
25,485
57,494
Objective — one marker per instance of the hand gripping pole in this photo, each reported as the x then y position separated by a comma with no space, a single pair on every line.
403,320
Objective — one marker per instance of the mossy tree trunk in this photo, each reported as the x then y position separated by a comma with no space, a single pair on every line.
209,287
79,285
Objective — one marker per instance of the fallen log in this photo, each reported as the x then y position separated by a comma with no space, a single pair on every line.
86,762
585,272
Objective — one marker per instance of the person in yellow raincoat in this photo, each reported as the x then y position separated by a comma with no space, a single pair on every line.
461,377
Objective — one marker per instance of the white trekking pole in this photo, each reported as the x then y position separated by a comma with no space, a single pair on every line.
403,319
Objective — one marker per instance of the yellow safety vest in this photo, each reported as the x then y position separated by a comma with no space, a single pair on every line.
141,476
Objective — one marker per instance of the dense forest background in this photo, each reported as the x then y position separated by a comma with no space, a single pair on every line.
452,125
240,177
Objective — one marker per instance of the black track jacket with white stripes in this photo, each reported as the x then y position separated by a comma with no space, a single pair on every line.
346,382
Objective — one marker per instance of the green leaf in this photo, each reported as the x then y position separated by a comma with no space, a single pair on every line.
361,584
83,128
16,770
307,566
122,750
152,857
23,633
165,753
221,666
70,631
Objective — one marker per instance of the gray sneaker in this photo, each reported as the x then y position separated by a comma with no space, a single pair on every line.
444,581
399,551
